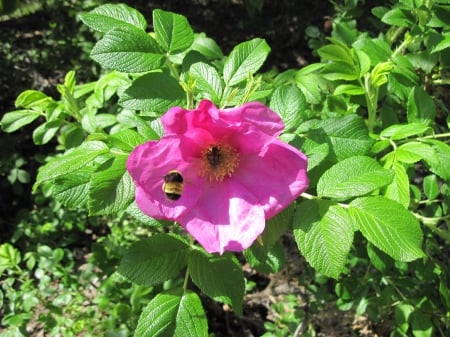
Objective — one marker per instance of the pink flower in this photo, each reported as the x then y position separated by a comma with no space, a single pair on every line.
235,173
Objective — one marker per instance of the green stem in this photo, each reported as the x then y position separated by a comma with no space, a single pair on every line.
186,275
400,48
371,95
172,68
444,81
430,223
186,279
399,292
396,34
439,135
308,196
190,99
313,197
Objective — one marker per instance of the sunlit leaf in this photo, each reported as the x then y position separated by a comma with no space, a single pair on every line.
208,81
71,161
245,58
106,17
389,226
174,313
173,31
127,49
154,260
111,187
352,177
324,234
219,277
153,93
289,102
14,120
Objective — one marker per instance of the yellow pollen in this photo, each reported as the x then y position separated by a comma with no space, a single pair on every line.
219,161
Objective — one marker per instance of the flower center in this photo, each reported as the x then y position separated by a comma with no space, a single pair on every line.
218,161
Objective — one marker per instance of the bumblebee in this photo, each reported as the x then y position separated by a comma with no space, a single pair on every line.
214,156
173,185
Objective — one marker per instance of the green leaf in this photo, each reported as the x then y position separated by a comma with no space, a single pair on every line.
125,140
173,32
340,71
111,189
174,313
309,82
378,49
154,260
398,190
362,61
353,177
105,120
398,17
431,187
71,189
422,324
106,87
443,44
84,89
129,118
420,107
143,218
423,61
346,136
207,81
345,31
245,58
324,234
9,257
381,146
402,131
33,99
349,89
127,49
71,161
67,98
219,277
154,93
337,53
72,136
412,152
316,154
388,226
14,120
89,120
106,17
207,47
379,259
439,162
403,77
45,132
265,260
380,72
255,90
277,226
289,102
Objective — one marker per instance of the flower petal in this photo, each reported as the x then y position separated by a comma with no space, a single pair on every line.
148,164
227,218
253,115
276,176
221,215
257,115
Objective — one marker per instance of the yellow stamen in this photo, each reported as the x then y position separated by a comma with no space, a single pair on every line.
218,161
